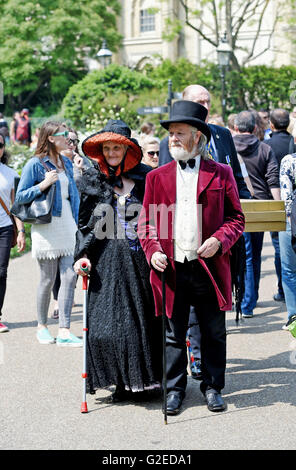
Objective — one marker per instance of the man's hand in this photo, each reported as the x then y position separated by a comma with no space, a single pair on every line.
159,261
209,248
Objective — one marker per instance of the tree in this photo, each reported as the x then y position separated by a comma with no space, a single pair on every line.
211,19
45,45
110,93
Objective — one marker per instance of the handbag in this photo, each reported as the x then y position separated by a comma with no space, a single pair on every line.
39,210
15,230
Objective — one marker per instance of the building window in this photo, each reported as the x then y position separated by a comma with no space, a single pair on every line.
147,21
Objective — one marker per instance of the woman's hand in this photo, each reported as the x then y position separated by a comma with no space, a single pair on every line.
50,178
82,263
21,242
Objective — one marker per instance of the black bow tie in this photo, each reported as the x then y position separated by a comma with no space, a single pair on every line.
190,163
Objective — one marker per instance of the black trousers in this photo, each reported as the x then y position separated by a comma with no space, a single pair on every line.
6,235
193,287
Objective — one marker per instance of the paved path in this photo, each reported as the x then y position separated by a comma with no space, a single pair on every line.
41,385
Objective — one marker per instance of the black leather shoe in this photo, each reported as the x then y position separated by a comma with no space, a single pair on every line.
214,400
174,402
196,370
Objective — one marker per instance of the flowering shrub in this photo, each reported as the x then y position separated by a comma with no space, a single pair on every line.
109,111
20,154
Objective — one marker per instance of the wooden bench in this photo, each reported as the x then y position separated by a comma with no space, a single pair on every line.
264,215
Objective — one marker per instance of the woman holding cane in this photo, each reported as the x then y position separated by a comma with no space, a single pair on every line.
121,322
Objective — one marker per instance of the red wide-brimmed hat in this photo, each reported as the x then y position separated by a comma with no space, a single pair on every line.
114,131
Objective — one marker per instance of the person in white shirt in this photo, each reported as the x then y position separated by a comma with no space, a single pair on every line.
205,221
7,180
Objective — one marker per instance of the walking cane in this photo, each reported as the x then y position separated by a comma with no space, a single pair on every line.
164,377
84,268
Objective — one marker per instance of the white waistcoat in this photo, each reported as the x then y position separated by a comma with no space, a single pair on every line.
187,222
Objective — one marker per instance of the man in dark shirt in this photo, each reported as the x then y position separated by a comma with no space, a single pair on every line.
282,143
263,171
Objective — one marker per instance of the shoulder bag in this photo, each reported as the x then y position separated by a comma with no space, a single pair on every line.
39,210
15,230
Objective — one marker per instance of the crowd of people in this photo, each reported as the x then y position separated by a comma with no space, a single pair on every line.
112,220
19,130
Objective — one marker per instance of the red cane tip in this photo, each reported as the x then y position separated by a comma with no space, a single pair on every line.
84,407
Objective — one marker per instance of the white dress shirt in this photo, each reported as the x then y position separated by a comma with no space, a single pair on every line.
187,221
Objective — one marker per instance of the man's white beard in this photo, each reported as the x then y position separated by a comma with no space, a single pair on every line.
179,153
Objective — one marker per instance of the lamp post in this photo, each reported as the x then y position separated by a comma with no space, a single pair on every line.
104,55
224,52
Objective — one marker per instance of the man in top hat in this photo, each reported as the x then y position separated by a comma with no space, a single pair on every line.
190,219
221,149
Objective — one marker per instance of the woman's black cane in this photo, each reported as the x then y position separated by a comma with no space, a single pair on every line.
84,268
164,377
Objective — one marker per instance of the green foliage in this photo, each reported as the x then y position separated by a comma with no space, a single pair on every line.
117,92
115,89
268,87
19,155
254,87
45,45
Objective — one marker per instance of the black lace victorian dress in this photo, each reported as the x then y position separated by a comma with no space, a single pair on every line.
124,337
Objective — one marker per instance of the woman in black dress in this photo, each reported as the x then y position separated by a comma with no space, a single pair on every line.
124,337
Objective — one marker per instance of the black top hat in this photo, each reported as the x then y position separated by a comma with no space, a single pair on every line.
191,113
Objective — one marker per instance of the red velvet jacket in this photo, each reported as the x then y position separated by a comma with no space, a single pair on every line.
222,217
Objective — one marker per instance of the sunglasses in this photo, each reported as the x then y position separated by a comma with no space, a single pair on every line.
73,141
64,134
152,153
2,145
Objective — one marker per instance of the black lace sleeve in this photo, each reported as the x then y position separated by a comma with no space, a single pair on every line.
93,190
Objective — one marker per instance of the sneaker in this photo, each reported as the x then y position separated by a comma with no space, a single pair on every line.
3,328
290,320
44,337
279,297
71,341
247,315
